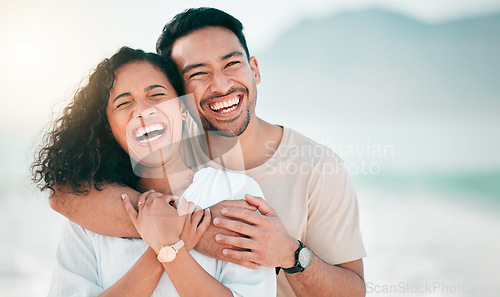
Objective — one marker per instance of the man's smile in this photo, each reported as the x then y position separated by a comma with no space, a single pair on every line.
226,105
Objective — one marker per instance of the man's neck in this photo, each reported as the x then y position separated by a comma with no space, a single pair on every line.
252,148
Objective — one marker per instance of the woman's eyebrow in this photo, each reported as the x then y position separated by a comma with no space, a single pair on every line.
153,87
145,90
122,95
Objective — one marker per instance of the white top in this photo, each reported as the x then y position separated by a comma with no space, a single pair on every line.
88,263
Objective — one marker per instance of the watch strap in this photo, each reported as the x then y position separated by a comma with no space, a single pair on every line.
297,267
177,246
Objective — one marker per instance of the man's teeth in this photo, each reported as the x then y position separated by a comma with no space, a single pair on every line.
225,104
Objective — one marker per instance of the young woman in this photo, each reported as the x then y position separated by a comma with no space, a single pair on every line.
130,110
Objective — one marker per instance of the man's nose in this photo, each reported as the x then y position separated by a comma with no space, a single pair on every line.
220,83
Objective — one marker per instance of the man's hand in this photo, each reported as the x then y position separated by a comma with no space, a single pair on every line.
207,244
265,242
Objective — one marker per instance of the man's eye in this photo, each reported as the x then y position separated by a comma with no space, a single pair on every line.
199,73
232,63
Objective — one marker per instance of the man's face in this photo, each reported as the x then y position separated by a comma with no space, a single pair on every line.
223,81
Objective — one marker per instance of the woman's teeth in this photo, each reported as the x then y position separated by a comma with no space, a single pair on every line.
149,133
225,106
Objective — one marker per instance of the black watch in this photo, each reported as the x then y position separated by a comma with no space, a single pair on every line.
302,259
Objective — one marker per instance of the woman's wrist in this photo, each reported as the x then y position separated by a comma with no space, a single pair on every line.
168,241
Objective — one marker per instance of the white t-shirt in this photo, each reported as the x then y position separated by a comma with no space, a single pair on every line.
88,263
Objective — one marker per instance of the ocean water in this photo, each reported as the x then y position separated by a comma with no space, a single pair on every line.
425,241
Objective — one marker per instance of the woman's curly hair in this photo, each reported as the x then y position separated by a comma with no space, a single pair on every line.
80,151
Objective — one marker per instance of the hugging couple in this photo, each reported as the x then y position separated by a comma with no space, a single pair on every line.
174,187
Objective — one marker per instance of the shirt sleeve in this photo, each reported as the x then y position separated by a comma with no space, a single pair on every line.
333,231
75,272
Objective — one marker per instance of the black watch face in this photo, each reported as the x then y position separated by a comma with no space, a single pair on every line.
305,257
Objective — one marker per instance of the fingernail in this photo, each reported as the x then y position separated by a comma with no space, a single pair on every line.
224,211
152,190
224,252
218,237
216,221
123,196
208,209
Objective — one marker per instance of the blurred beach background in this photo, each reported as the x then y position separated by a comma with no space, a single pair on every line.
406,92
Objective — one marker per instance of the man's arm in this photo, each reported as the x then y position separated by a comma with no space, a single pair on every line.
99,211
272,246
323,279
102,212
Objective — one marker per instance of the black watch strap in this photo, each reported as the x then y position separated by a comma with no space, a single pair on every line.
297,267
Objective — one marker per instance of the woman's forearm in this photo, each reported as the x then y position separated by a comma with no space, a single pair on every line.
190,279
141,280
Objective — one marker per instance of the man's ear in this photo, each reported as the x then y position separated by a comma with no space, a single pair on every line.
255,69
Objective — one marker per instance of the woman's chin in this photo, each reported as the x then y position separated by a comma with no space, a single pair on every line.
151,164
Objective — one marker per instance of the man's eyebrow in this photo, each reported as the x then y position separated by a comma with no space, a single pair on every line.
153,87
230,55
191,67
122,95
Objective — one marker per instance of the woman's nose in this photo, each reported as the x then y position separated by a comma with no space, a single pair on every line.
142,110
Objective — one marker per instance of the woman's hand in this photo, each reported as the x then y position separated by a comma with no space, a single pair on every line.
195,226
156,220
162,220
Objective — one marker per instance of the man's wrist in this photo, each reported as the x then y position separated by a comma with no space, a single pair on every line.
290,255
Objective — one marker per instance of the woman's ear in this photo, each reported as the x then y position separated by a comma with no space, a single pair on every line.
184,112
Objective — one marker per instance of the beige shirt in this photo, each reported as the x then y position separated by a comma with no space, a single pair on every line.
310,189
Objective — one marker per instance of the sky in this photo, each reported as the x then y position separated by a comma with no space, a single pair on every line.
48,47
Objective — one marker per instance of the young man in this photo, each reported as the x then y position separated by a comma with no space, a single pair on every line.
308,225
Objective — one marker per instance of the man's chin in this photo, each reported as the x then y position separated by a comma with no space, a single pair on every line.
225,133
227,130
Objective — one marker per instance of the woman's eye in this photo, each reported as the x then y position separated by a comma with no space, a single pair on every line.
158,96
123,104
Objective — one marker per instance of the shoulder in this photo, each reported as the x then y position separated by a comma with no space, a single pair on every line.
300,148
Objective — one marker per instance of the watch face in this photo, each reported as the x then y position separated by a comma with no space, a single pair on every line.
305,257
167,254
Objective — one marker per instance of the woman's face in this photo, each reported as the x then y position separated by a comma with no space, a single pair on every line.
144,113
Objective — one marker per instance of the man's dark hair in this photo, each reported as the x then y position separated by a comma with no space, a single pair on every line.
80,150
194,19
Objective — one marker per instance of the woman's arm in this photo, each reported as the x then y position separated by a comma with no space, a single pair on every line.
77,272
190,279
141,280
160,224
